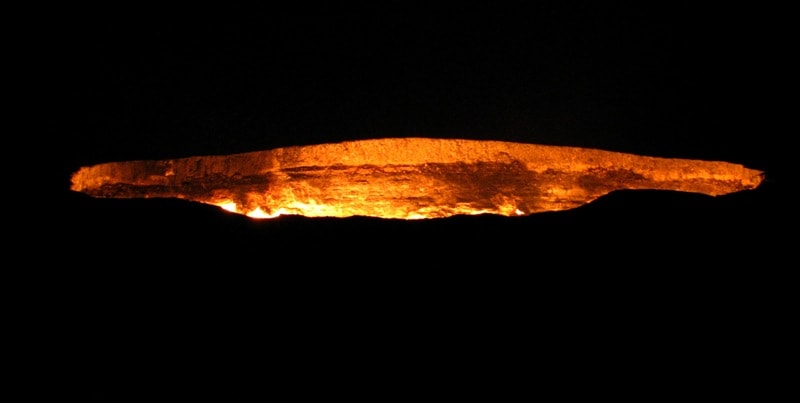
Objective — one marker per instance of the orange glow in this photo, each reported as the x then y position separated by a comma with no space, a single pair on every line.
408,178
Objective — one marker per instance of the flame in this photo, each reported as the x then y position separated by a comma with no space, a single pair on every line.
409,178
228,205
258,213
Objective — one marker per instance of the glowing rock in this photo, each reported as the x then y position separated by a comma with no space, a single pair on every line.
408,178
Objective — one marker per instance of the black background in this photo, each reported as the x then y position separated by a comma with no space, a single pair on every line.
645,279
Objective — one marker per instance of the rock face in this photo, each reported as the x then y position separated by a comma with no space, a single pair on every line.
408,178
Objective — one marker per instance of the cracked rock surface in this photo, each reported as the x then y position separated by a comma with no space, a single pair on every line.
408,178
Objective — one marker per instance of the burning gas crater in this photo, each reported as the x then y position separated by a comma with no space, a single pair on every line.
408,178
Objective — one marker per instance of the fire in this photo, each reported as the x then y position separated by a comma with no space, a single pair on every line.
408,178
258,213
228,205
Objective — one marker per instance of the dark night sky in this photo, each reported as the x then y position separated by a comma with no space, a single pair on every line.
676,80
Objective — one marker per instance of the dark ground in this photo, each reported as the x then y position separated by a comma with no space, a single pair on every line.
646,280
